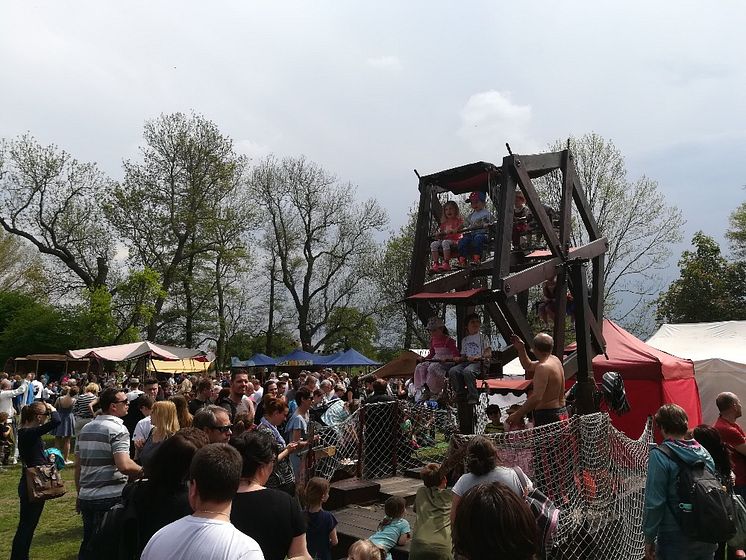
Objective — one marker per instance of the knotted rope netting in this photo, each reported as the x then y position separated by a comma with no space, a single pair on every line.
592,472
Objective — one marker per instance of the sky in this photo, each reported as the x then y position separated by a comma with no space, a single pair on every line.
374,90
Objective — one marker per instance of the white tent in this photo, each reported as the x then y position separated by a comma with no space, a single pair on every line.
718,351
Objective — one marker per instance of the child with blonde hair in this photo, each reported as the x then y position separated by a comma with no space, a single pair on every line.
447,237
365,550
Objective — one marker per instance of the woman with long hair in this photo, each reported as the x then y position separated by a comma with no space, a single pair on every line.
163,495
270,516
165,424
182,410
37,419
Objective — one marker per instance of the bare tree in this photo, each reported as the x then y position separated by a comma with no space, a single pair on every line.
633,214
52,201
323,240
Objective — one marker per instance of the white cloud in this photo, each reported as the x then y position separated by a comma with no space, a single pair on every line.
386,62
251,149
490,119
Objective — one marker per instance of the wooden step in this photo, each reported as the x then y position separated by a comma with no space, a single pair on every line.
357,522
401,486
352,491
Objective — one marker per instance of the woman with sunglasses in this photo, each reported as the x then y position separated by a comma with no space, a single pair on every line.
37,419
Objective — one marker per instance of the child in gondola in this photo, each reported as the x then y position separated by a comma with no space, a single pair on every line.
442,348
470,246
448,236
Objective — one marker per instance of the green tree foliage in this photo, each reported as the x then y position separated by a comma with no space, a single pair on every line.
350,329
709,289
29,327
243,344
736,233
168,210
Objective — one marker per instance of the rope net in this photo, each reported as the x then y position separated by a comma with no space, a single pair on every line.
594,474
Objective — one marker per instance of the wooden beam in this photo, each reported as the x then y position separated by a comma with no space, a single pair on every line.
581,202
447,282
499,319
516,319
586,383
541,164
534,275
537,208
504,228
570,365
421,246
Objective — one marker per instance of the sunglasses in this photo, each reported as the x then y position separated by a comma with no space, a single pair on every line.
125,401
223,429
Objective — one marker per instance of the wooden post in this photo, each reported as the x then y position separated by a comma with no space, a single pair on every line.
586,383
360,429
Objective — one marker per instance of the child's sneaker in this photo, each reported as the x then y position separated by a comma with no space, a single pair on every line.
462,261
434,269
445,267
476,259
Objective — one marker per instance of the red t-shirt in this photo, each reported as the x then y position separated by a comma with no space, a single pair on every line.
733,435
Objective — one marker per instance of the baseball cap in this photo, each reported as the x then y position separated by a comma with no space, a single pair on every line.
478,196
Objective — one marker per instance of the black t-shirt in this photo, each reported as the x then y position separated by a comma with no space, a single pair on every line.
271,518
156,507
195,405
30,445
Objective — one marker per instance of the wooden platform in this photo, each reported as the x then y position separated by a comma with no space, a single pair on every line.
351,491
358,522
401,486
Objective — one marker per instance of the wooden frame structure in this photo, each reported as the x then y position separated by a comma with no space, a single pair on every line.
500,282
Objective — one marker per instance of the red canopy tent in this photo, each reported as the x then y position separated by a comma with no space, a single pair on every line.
651,378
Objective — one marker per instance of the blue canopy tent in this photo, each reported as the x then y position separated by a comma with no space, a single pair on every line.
299,357
352,358
262,360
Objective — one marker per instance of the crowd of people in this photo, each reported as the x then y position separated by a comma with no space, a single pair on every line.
203,467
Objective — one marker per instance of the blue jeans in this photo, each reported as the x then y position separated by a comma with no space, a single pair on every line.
27,522
471,244
465,374
674,545
92,512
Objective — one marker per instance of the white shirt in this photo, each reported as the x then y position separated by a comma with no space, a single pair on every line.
38,387
142,429
132,395
6,399
195,538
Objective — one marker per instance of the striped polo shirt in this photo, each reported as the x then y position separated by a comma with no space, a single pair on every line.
95,447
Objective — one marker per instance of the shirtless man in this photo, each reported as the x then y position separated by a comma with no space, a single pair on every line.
547,400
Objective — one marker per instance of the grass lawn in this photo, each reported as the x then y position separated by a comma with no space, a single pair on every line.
60,528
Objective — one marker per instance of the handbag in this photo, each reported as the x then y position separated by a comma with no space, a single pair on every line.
544,510
44,482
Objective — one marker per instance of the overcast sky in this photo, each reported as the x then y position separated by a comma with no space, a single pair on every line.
372,90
